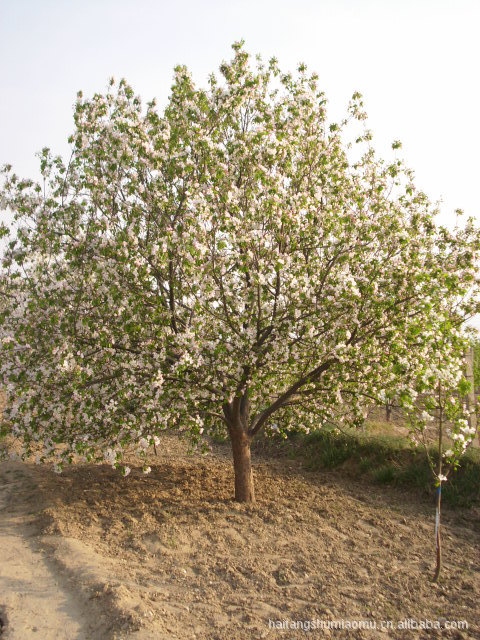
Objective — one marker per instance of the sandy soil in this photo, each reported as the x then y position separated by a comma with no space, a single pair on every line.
33,598
170,555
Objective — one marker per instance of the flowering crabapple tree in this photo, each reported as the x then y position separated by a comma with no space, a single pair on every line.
229,263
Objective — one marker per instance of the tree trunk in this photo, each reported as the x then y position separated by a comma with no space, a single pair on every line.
244,491
470,376
388,411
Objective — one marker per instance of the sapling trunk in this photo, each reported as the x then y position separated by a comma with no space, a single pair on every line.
438,500
438,541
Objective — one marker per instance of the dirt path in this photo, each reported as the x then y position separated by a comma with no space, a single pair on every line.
33,600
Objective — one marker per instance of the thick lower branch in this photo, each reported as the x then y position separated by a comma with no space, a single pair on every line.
261,419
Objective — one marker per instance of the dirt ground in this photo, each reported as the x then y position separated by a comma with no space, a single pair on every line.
171,555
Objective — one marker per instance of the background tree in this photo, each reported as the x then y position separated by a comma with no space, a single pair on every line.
230,263
476,363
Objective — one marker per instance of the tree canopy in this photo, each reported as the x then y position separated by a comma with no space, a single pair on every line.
228,263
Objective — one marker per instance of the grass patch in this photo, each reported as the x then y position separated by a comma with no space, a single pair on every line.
326,449
220,437
384,474
389,459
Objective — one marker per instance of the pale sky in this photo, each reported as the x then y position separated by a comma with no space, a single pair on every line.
416,63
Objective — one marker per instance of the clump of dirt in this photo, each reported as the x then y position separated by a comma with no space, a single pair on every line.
3,621
178,558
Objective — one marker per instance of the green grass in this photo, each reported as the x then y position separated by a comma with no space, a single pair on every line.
220,436
390,460
384,474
